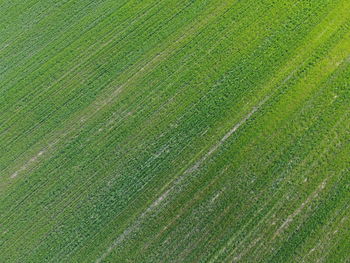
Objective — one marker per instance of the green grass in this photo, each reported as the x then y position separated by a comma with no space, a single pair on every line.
174,131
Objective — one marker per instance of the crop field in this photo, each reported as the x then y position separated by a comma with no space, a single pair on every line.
174,131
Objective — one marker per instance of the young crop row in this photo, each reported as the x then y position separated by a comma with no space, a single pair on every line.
172,131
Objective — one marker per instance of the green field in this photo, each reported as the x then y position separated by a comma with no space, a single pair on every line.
175,131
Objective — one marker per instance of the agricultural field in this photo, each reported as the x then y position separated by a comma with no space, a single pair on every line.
174,131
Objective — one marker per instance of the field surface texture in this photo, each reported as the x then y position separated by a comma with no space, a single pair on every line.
175,131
